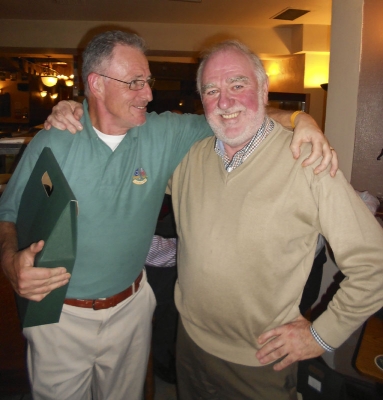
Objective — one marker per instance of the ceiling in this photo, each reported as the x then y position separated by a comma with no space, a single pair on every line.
256,13
210,12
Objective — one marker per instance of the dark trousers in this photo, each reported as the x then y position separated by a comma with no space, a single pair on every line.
162,281
202,376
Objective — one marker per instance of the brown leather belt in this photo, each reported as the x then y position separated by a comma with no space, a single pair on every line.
112,301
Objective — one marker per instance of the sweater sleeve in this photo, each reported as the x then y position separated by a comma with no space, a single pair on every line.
356,239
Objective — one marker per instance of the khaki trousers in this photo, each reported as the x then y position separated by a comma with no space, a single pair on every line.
91,354
202,376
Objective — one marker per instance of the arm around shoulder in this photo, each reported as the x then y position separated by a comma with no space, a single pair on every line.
65,115
306,130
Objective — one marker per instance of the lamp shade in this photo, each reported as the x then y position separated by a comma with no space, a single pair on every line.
49,80
69,82
43,93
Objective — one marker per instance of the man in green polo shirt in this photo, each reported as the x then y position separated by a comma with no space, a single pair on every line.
118,167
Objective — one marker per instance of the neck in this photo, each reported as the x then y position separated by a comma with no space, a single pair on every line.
103,121
230,151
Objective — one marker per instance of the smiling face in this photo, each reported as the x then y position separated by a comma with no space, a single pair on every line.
234,104
121,108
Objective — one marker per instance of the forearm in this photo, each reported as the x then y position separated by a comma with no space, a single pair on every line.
284,117
8,237
356,240
8,247
281,116
18,266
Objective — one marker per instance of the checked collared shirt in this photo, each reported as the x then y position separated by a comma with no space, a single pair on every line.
241,155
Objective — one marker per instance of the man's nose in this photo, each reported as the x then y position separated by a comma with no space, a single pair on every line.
225,100
146,92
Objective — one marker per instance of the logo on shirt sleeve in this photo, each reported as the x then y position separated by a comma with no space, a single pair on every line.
139,177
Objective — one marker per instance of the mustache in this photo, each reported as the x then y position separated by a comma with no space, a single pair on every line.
219,111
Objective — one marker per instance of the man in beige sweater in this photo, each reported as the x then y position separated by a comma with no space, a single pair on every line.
248,218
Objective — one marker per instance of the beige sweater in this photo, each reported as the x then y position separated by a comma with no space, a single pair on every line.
247,241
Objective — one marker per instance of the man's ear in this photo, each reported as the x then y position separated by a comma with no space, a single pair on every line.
96,84
266,91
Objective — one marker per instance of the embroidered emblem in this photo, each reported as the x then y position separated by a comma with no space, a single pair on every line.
139,177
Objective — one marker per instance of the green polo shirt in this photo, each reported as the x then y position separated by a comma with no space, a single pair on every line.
119,193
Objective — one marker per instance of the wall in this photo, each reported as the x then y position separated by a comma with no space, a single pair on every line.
355,93
355,100
341,112
343,85
367,172
285,73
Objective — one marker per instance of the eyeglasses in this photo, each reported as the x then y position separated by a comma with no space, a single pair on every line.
135,84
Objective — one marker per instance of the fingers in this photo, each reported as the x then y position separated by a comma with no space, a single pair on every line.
59,121
36,247
295,148
289,343
37,283
78,113
47,125
276,350
285,362
267,336
319,149
271,351
65,116
330,157
334,163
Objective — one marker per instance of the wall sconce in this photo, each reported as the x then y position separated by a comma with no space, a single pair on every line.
69,82
54,95
274,69
43,93
48,80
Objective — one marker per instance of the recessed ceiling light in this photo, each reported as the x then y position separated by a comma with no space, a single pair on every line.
289,14
70,2
189,1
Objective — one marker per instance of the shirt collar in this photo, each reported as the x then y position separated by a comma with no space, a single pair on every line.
241,155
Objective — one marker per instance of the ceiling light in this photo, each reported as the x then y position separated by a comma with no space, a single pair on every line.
49,80
43,93
54,95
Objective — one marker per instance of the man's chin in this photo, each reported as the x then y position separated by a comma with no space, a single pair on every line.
141,121
234,138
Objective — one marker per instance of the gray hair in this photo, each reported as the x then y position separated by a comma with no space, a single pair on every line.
232,45
100,49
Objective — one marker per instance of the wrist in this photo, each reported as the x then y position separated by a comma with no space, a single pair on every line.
293,118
